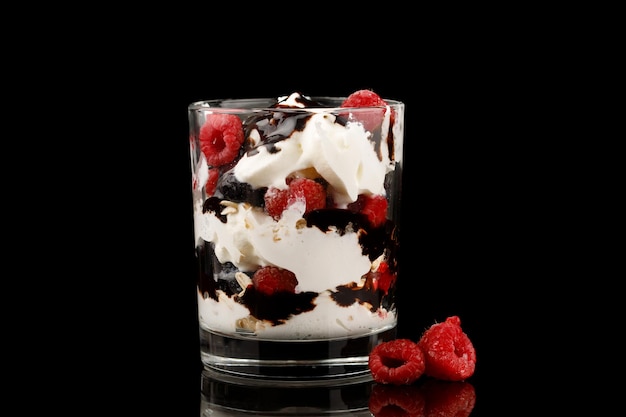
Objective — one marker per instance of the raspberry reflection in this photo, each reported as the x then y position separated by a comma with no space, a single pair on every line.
428,399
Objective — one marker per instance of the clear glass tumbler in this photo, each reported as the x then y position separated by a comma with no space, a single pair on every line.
296,219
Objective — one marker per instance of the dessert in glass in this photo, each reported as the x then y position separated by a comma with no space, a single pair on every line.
296,205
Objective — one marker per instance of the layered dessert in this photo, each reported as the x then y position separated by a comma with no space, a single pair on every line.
296,203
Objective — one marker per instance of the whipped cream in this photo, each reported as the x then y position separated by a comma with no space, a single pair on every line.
326,321
250,239
342,155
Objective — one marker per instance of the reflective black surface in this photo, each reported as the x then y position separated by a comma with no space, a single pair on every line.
429,397
211,394
170,377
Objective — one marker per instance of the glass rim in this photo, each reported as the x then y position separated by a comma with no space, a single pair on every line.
254,104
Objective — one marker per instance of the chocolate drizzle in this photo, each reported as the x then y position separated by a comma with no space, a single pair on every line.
275,128
278,307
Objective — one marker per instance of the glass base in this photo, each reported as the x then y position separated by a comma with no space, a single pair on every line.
226,395
290,363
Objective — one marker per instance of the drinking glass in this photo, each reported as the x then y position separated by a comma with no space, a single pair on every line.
296,206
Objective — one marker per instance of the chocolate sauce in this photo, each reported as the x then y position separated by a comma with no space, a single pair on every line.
275,128
346,295
213,205
299,98
207,285
279,306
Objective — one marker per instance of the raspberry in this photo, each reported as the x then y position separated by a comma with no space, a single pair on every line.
211,183
366,98
271,279
396,362
444,398
448,351
275,201
220,138
388,400
373,207
382,278
312,192
363,98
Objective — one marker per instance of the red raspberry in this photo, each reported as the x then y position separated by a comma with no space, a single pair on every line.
275,201
374,207
366,98
389,400
211,183
271,279
396,362
382,278
448,351
220,138
363,98
312,192
444,398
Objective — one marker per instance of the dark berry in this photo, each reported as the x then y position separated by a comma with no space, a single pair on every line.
270,279
448,351
230,188
221,137
396,362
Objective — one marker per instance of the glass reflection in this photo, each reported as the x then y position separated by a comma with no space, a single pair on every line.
231,396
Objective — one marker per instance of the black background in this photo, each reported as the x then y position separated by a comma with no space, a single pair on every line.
467,208
459,255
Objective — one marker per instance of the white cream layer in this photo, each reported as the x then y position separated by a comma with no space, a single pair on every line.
326,321
321,260
342,155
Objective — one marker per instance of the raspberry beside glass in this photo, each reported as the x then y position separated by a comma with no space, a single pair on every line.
296,218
